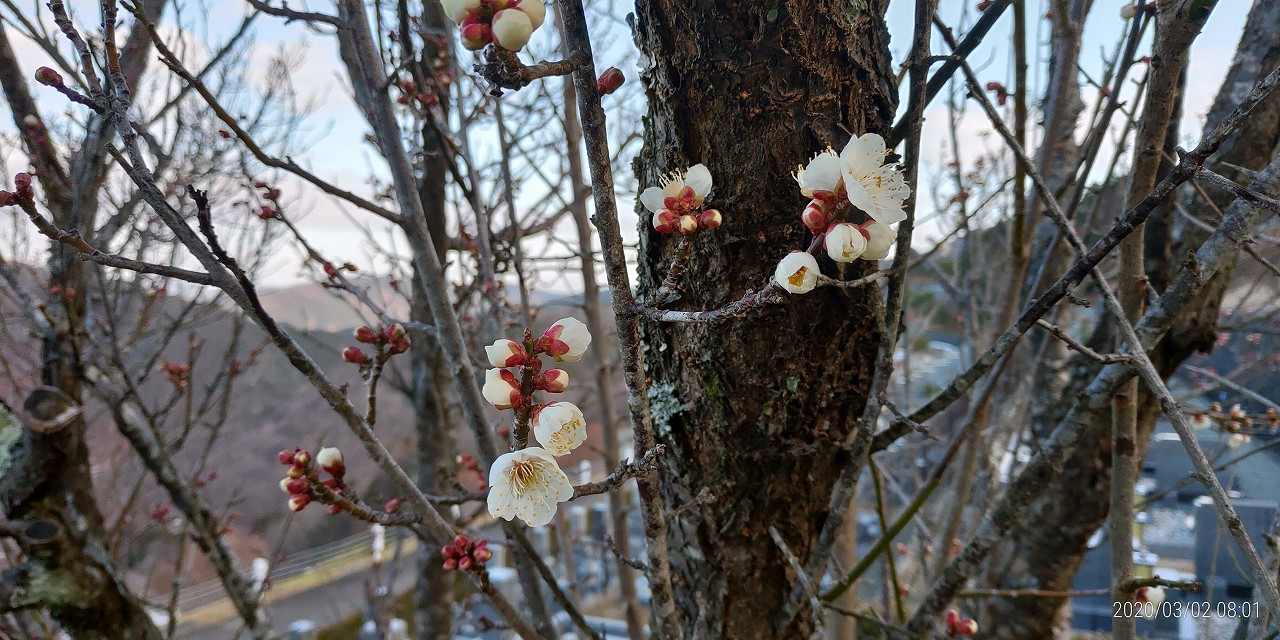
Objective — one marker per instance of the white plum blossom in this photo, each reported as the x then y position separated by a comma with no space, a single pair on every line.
880,238
1201,421
535,8
797,272
500,388
458,9
566,340
527,484
845,242
876,188
505,353
856,176
673,195
1237,440
560,427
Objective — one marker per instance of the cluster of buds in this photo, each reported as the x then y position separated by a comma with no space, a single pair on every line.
302,474
465,554
609,81
177,373
392,340
506,23
958,625
528,482
677,205
23,191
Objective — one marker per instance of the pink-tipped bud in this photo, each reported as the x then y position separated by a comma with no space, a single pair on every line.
709,219
299,502
393,332
266,213
688,224
609,81
48,77
465,563
450,564
393,505
330,459
296,471
476,35
302,457
286,456
967,627
553,380
399,346
366,335
284,484
448,551
666,221
355,355
22,184
298,486
482,554
816,216
460,542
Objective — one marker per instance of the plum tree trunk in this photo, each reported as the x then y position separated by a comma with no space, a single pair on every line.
755,410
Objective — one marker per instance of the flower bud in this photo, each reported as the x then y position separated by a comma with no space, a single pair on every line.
688,224
393,332
709,219
536,11
366,335
393,505
880,239
330,459
460,541
566,340
284,484
844,242
8,198
457,10
355,355
476,35
501,388
298,486
285,456
511,29
302,458
299,502
399,346
505,353
482,554
1150,599
609,81
967,627
1237,440
797,272
450,564
465,563
553,380
1128,11
48,77
266,213
666,221
334,509
816,216
448,551
22,186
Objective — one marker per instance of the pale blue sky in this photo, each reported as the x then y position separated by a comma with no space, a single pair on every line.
336,129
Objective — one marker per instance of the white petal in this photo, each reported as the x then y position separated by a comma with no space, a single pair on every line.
863,155
673,188
888,215
859,197
699,178
882,239
822,174
652,199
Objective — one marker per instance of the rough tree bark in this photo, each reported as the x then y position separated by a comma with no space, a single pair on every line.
754,410
1051,542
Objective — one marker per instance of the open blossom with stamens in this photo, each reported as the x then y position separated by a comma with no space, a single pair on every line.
845,242
856,176
501,388
527,484
797,272
560,427
566,340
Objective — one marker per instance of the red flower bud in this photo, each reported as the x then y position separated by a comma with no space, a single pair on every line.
609,81
224,133
366,335
709,219
393,505
356,355
448,551
298,486
8,198
22,183
450,564
330,270
334,509
482,554
285,457
272,194
296,471
302,457
461,541
48,77
393,332
465,563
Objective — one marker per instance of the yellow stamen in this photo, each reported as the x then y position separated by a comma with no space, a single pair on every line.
797,279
